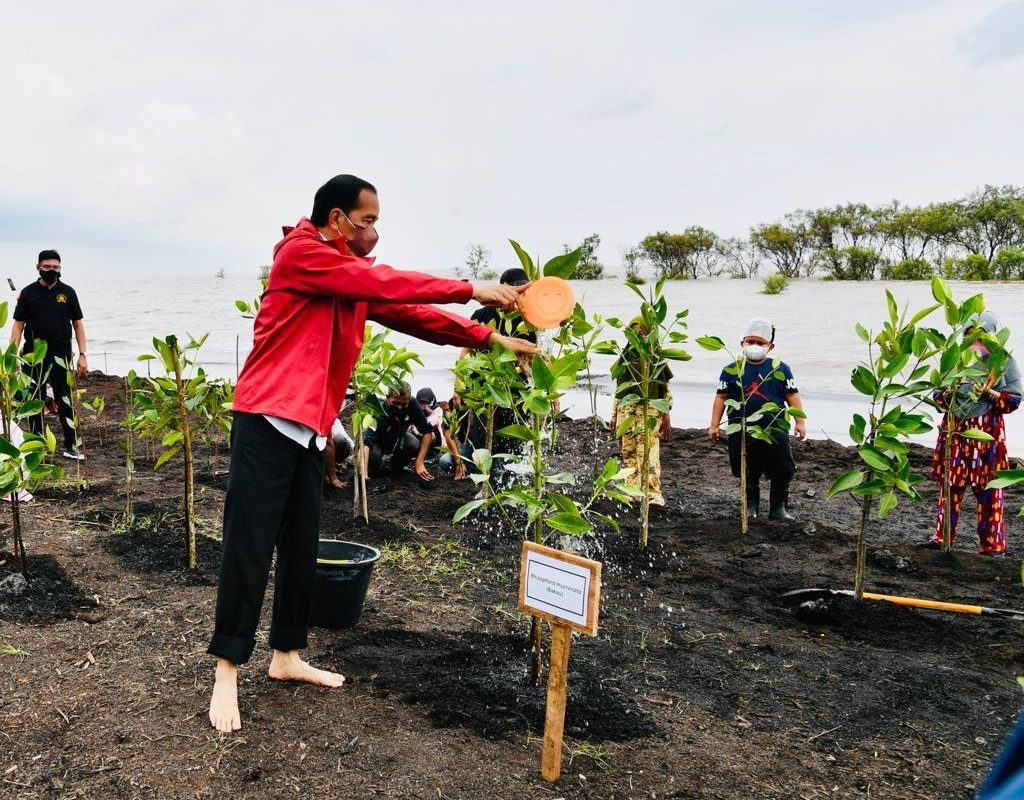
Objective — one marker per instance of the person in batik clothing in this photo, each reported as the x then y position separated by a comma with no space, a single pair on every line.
973,463
630,371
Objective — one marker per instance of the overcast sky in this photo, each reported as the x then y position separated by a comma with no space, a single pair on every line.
181,136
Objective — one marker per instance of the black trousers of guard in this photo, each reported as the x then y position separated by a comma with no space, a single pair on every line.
56,375
273,501
771,460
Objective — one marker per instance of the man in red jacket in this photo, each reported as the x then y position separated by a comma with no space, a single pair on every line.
307,336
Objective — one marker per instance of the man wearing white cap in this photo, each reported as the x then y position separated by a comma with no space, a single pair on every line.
763,381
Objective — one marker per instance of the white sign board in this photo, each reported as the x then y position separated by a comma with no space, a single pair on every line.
561,587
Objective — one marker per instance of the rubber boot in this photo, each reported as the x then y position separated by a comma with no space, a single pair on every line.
753,502
778,499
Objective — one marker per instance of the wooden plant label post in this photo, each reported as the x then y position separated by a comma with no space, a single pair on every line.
564,589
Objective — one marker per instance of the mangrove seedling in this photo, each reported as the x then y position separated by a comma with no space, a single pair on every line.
894,378
167,406
382,365
23,456
641,373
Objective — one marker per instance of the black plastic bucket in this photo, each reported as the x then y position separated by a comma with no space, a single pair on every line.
343,571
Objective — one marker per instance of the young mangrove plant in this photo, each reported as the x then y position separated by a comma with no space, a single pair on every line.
583,334
641,374
894,378
543,498
382,365
490,384
167,408
23,456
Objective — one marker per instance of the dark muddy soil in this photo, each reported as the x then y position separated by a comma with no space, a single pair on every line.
702,682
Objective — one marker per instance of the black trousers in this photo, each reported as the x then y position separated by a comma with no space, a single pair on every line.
56,375
273,501
402,450
770,460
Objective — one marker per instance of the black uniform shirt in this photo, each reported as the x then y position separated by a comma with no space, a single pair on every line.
48,314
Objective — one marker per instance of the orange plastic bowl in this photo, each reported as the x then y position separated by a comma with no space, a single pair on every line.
547,302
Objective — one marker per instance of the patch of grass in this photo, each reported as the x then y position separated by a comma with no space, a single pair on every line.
598,753
137,523
444,559
13,651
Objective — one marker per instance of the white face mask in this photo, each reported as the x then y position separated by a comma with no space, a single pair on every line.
755,352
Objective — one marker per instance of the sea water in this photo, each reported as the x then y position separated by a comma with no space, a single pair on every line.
814,320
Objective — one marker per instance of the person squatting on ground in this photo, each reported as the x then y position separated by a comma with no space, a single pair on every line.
306,339
632,370
435,414
48,309
391,444
467,433
974,463
761,385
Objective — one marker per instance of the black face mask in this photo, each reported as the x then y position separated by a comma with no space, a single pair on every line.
50,276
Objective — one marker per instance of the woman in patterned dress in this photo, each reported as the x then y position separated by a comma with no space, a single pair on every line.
973,463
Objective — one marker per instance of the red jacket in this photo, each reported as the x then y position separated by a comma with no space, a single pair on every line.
309,329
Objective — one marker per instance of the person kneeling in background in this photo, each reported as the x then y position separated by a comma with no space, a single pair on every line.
434,412
760,385
390,444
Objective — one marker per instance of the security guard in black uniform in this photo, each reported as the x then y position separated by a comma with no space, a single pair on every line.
48,309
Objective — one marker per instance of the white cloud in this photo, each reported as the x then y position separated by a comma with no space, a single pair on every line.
159,134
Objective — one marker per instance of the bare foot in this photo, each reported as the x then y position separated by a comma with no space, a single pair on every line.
335,483
289,667
224,714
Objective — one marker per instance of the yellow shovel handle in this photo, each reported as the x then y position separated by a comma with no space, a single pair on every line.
936,605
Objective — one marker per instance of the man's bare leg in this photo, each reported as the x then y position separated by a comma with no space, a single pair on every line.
287,666
224,714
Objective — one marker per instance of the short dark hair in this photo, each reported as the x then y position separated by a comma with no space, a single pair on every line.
398,388
44,255
341,191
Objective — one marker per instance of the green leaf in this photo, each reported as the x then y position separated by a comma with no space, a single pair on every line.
940,291
950,357
520,432
542,377
712,343
874,458
466,509
570,523
864,381
676,354
862,332
561,478
8,449
894,314
977,435
1006,477
166,456
564,265
920,315
887,504
857,429
525,260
